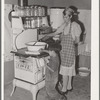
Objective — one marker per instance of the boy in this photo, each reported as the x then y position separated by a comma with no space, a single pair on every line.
52,68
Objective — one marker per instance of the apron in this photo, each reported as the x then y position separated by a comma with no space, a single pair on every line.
68,49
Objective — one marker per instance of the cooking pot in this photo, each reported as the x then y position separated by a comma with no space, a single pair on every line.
36,47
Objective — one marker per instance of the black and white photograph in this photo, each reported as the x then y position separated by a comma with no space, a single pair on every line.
48,51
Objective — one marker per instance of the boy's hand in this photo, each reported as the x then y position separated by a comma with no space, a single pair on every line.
52,53
41,50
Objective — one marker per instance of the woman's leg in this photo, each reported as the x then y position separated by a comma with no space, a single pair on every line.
69,87
67,83
65,80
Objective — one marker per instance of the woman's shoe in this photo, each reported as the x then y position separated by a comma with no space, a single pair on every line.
63,93
59,87
63,98
70,89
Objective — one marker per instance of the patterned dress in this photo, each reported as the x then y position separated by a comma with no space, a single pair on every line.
67,54
68,50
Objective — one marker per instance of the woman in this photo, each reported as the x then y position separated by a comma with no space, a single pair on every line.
70,32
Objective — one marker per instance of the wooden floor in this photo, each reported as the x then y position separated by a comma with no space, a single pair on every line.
81,91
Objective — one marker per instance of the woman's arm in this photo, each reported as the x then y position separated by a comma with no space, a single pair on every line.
58,31
76,31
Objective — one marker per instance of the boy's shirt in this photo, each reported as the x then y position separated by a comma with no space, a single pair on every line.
54,62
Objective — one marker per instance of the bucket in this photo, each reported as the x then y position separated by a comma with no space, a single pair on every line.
83,71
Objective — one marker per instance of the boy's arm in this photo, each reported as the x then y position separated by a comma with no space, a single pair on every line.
41,50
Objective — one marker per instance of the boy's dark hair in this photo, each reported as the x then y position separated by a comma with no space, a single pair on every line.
54,47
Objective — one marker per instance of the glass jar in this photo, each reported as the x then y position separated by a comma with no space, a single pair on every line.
39,11
43,11
33,22
36,11
27,23
27,11
38,22
32,10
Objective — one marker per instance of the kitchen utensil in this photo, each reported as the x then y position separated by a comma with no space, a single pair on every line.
39,40
36,47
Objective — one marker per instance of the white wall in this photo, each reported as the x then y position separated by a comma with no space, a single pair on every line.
85,18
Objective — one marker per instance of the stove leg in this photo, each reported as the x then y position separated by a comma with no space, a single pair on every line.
34,92
14,87
34,96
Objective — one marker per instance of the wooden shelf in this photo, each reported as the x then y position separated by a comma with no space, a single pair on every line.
26,16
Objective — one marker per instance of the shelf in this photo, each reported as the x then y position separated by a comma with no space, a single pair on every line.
26,16
31,28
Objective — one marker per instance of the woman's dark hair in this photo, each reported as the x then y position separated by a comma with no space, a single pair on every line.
72,13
